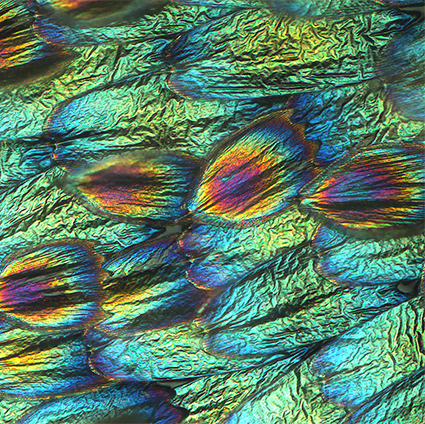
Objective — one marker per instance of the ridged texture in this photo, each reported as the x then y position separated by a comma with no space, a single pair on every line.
256,55
401,403
145,256
55,285
22,53
402,65
124,402
211,398
38,212
223,255
284,306
254,174
364,361
149,289
176,352
350,261
242,326
250,311
37,364
381,188
313,8
137,187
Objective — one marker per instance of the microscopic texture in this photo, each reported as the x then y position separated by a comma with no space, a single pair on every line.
40,364
54,285
352,366
374,189
22,53
212,212
349,261
402,403
406,89
131,401
222,254
257,55
150,187
255,173
148,288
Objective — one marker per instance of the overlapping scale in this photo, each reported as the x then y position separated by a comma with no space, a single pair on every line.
313,8
223,255
305,326
154,299
23,56
402,66
37,364
256,56
210,399
272,300
109,404
175,352
86,13
402,403
349,261
38,212
364,361
143,113
375,189
149,289
145,256
120,53
142,186
258,318
255,173
147,30
294,398
53,285
343,118
284,305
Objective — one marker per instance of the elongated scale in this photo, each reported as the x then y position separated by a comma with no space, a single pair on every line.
148,288
221,256
261,54
53,285
401,403
376,189
142,186
254,174
42,364
362,362
92,13
23,56
108,404
350,261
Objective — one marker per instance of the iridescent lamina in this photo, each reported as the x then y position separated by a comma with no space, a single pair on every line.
148,186
39,364
379,188
353,261
89,13
53,285
133,401
148,288
24,57
254,174
222,196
